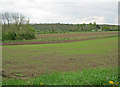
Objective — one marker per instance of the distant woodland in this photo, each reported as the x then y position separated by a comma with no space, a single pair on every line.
64,28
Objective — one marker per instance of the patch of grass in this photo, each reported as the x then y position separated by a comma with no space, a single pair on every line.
99,76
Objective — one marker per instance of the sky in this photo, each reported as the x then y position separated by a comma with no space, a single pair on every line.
64,11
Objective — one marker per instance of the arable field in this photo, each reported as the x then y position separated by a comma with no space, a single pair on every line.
74,36
88,59
63,37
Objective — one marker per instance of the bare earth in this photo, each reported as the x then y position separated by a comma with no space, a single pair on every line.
86,35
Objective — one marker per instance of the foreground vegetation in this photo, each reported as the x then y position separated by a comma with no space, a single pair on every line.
99,76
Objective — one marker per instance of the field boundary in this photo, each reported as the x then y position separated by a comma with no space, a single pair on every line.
50,42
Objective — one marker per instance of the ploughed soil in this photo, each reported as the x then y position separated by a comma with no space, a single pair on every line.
57,63
47,42
87,36
84,34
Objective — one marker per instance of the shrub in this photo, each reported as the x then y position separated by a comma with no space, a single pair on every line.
14,33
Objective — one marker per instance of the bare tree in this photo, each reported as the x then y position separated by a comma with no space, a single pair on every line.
14,18
3,19
16,26
6,18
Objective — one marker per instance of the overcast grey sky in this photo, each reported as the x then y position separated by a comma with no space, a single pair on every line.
64,11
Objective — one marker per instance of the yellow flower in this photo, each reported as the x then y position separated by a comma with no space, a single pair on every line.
111,82
117,82
41,83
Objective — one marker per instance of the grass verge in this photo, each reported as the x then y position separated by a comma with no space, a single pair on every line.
99,76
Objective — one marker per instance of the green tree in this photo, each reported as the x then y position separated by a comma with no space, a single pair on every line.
16,26
94,23
106,28
83,26
89,27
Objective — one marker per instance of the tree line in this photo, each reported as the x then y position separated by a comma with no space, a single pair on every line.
63,28
15,26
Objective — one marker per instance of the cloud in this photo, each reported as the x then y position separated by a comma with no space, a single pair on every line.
98,19
64,11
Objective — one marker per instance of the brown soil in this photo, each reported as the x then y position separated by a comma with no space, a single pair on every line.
60,63
47,42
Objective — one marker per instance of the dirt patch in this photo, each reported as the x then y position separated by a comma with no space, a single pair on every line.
12,75
59,63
